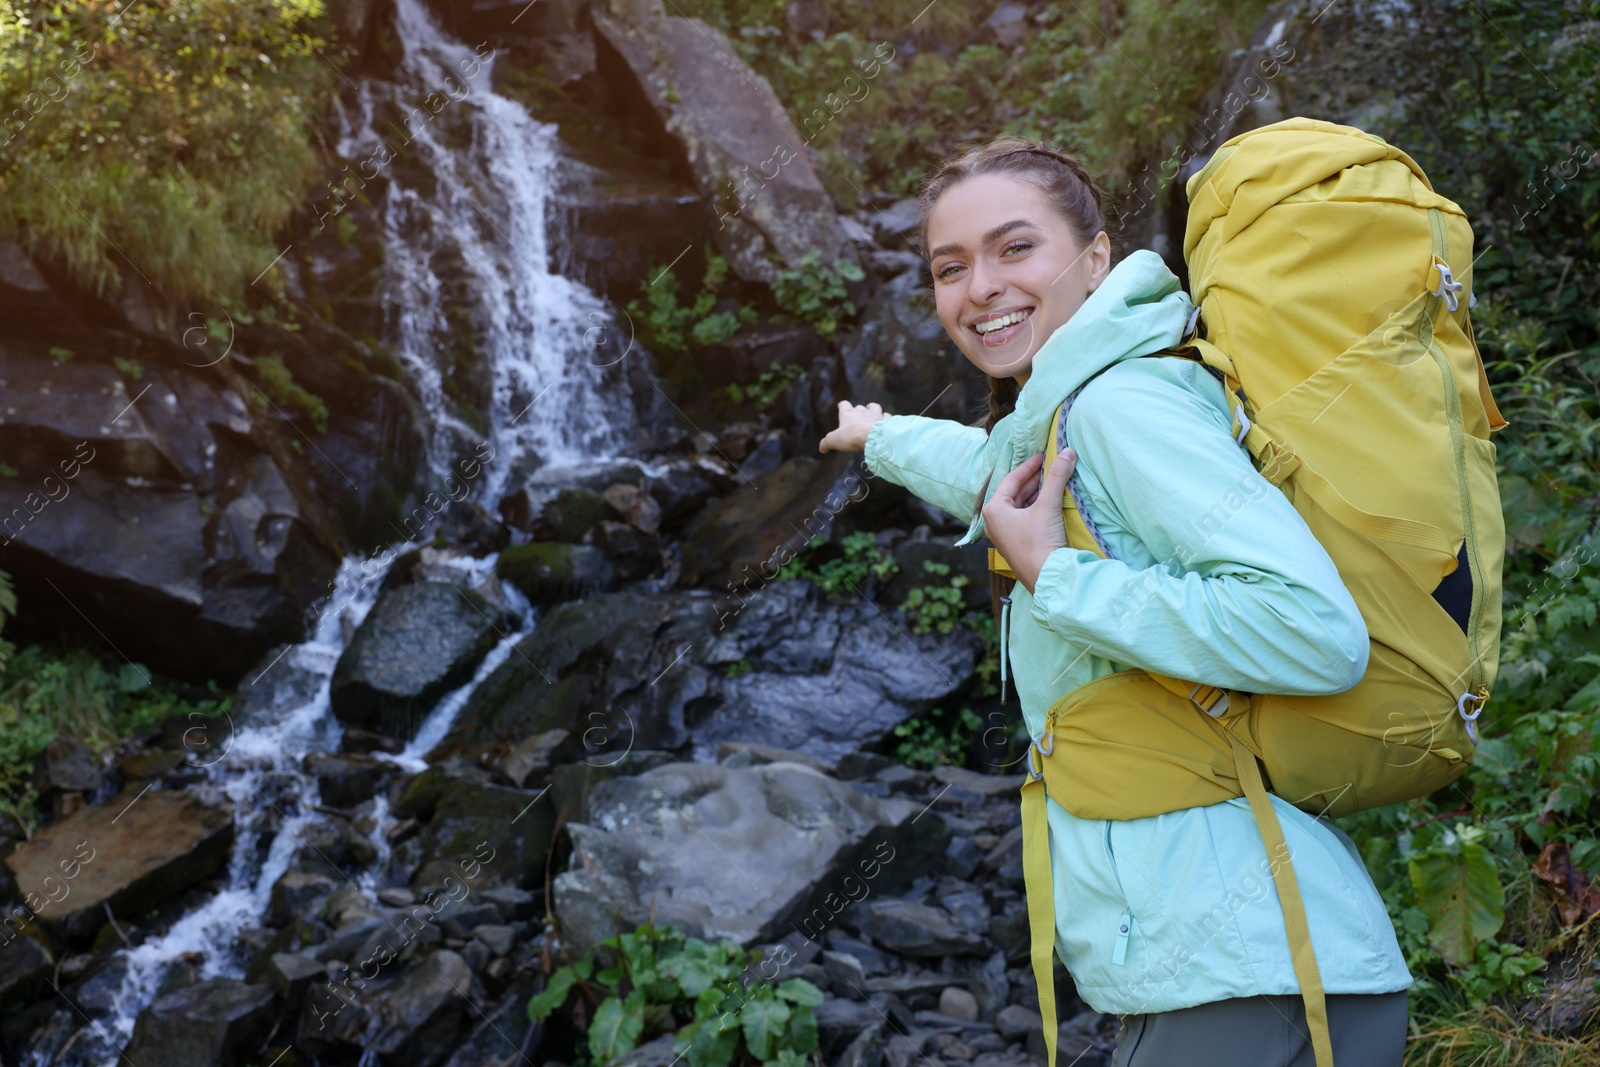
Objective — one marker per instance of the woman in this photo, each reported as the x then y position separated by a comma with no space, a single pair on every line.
1170,922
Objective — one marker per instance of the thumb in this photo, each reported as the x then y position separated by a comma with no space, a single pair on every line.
1055,482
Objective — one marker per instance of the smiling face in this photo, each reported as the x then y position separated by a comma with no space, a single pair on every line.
1003,254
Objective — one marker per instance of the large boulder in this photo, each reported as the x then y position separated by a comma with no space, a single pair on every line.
129,855
685,69
784,667
218,1023
606,669
418,642
780,511
423,1012
486,835
749,854
158,502
826,679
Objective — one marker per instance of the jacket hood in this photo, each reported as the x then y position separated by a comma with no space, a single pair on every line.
1139,308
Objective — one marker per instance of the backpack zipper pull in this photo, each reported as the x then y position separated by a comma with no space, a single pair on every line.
1124,924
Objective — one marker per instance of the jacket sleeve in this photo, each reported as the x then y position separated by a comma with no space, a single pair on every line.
939,460
1241,593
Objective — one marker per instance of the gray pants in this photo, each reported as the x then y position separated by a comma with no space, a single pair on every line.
1367,1031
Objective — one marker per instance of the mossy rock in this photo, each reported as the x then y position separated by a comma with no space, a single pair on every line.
548,572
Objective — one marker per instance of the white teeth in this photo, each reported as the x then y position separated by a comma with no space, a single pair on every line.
1001,323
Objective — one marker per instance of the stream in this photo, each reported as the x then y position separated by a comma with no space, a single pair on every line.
467,242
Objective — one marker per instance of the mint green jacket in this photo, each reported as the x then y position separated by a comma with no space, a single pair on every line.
1214,577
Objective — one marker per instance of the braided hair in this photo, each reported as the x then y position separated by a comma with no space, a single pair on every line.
1068,185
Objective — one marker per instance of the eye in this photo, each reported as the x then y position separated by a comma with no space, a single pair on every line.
944,270
1016,244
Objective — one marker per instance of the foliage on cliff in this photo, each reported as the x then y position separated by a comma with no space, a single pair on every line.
163,142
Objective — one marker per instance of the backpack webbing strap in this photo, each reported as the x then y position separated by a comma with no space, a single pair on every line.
1294,909
1040,889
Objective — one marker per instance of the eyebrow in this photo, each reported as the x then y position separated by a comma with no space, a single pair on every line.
988,238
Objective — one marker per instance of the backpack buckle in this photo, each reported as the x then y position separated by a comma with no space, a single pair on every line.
1478,700
1448,287
1218,709
1041,747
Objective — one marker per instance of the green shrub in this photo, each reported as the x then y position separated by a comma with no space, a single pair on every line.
46,693
278,383
814,292
934,740
771,385
657,981
860,563
936,606
166,141
668,328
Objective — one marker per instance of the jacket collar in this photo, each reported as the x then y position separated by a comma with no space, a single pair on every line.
1138,309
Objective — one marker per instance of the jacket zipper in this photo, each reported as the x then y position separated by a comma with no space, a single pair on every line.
1119,953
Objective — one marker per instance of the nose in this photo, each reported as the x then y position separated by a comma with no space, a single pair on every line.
986,285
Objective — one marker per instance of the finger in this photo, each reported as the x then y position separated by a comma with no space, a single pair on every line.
1011,486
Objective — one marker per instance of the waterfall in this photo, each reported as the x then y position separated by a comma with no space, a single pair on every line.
467,290
468,264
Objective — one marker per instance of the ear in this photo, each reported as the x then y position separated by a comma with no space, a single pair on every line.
1099,260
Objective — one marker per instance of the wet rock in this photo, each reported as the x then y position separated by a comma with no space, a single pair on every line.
422,1014
25,964
289,975
418,642
531,758
486,835
914,929
737,536
845,974
152,764
299,893
548,572
218,1023
346,781
497,1038
681,492
657,1053
515,905
741,854
184,539
66,766
635,506
499,938
600,669
131,854
682,67
633,553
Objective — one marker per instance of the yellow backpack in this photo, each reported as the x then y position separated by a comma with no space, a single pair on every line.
1333,285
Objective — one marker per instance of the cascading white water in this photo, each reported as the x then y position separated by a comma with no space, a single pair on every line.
476,224
466,241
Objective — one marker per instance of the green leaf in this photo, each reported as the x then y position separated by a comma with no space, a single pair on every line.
708,1044
764,1020
1463,899
800,991
616,1026
554,995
